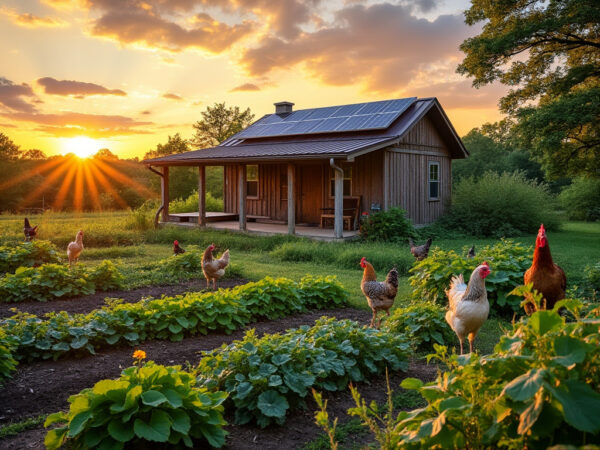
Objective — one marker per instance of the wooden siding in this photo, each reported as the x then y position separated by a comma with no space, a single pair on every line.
423,136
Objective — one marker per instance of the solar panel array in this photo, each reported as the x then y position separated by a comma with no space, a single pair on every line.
332,119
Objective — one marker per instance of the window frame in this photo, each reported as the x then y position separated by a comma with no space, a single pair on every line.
431,164
257,196
331,184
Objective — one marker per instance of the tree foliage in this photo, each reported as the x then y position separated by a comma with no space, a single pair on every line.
549,53
175,144
8,149
218,123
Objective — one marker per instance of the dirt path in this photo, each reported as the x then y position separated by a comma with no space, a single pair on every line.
87,303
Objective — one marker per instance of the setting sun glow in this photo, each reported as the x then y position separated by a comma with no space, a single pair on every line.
81,146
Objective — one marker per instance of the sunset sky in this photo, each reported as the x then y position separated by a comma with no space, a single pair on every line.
125,74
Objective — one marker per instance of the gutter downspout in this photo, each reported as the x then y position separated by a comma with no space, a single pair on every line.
162,206
338,222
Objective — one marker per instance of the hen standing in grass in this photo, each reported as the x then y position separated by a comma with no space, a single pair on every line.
29,231
177,250
547,278
214,269
75,248
380,295
469,306
420,252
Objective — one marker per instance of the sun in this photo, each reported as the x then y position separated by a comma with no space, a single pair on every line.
82,146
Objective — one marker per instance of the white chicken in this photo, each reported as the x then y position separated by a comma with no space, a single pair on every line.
75,248
469,306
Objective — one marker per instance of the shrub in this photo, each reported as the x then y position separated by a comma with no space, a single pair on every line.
392,225
581,199
50,281
149,403
7,362
591,280
140,219
190,204
507,259
501,205
172,318
267,376
190,261
423,323
27,254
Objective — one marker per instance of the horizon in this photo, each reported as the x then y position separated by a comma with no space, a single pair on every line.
87,75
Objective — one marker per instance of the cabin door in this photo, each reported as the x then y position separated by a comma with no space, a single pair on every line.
310,202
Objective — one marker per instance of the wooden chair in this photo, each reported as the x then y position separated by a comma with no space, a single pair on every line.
350,214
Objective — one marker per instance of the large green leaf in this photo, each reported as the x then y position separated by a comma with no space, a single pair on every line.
77,423
181,421
271,404
531,413
525,386
55,438
153,398
569,350
544,321
157,430
122,432
580,403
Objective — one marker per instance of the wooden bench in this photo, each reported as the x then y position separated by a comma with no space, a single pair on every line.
350,213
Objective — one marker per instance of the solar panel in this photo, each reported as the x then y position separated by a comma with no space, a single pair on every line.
356,117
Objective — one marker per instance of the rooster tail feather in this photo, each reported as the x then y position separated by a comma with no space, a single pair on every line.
224,259
27,223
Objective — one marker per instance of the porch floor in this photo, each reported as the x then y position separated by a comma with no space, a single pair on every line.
266,229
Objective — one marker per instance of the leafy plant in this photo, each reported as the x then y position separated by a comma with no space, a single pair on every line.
423,323
267,376
50,281
148,404
592,280
507,259
171,318
7,362
190,203
27,254
581,199
391,225
188,262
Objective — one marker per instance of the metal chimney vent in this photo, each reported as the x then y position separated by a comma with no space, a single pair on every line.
283,107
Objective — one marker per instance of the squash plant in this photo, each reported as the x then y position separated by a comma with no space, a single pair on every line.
507,259
7,362
27,254
267,376
148,404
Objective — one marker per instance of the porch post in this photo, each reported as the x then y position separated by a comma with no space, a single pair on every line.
338,224
164,188
242,195
291,182
201,195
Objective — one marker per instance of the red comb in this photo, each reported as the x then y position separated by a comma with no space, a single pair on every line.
176,242
485,263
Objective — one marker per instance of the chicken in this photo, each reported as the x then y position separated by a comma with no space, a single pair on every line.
30,232
177,250
547,278
420,252
469,306
75,248
380,295
214,269
471,253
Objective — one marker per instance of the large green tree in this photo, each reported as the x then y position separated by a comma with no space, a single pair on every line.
218,123
8,149
548,52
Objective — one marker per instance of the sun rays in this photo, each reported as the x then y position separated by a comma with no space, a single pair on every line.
78,180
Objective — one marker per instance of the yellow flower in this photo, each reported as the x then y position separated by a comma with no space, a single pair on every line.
139,354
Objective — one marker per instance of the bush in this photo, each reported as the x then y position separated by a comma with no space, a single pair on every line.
591,280
392,225
508,261
7,362
148,404
423,323
581,199
501,205
190,204
188,262
172,318
267,376
27,254
50,281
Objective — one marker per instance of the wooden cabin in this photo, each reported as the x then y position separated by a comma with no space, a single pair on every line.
324,167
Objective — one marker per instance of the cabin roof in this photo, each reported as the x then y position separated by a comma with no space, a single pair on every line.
258,141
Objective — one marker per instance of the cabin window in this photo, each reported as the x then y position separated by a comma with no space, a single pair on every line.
434,180
347,181
252,181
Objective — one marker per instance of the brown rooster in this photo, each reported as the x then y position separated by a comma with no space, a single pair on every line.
214,269
29,231
420,252
177,250
380,295
469,306
547,278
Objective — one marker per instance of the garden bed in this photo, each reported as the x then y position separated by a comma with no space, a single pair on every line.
87,303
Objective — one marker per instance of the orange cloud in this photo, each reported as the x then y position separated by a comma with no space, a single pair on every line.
30,20
172,96
11,96
79,89
246,87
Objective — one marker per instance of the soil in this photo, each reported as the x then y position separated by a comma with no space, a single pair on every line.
43,387
87,303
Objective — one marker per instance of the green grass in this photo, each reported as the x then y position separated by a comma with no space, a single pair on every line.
344,435
18,427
